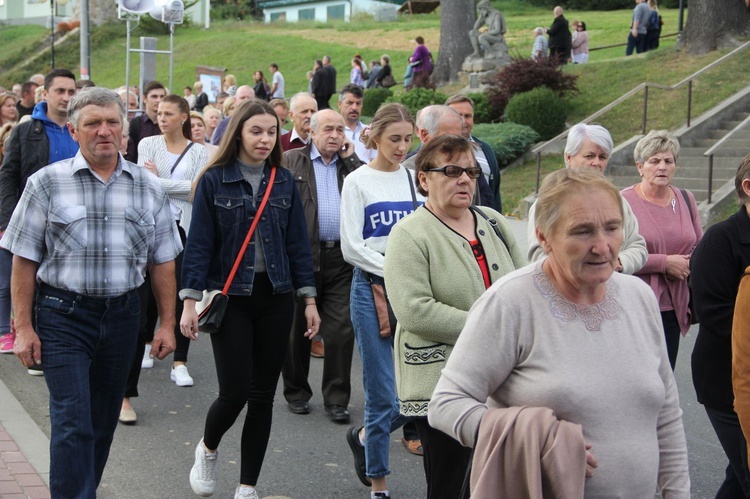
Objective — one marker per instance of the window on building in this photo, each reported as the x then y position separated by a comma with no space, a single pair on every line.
306,14
278,16
336,11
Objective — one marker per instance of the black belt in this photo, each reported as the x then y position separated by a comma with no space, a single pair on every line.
330,244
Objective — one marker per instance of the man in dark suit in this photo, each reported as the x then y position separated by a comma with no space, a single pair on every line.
330,73
560,39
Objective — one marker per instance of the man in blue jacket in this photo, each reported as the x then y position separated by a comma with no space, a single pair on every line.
43,140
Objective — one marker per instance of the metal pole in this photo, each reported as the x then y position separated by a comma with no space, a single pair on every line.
52,32
171,56
208,13
645,109
127,69
690,100
85,41
710,177
538,170
682,16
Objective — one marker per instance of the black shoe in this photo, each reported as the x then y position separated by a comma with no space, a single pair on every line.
358,450
299,407
337,413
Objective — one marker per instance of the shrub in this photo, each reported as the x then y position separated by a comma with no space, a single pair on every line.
74,24
63,28
541,109
374,98
482,109
417,98
524,74
508,140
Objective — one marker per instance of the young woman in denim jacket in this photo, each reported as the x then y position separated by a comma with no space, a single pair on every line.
250,346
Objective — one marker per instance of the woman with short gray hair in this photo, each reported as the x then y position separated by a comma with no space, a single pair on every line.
669,222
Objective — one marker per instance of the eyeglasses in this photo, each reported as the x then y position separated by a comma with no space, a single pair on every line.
454,171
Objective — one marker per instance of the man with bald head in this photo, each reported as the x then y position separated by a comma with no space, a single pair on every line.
319,169
560,39
434,121
301,108
242,94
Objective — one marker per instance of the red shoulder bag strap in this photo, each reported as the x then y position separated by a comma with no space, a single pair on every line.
250,232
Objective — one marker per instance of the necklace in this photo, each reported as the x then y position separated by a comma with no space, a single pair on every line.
659,202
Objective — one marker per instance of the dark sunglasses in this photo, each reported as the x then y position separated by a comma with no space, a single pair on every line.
454,171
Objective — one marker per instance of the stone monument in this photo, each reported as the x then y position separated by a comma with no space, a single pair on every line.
490,50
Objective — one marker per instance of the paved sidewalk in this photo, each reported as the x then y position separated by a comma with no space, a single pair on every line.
24,452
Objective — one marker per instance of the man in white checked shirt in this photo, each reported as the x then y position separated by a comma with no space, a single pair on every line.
82,236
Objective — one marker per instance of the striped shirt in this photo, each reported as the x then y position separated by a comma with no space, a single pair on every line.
329,197
89,236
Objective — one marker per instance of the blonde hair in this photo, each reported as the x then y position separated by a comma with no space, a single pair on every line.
227,104
388,114
655,142
562,184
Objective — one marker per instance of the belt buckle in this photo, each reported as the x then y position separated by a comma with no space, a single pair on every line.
328,244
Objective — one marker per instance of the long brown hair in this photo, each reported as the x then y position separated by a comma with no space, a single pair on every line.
229,147
184,108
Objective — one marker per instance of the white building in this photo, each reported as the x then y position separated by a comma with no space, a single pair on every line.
326,10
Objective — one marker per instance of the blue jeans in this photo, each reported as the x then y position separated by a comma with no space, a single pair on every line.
639,44
87,348
6,262
378,377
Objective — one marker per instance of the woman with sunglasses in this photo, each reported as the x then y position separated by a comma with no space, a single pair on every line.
438,262
374,197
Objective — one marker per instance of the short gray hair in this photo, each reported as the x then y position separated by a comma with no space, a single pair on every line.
539,31
296,97
430,117
654,142
316,117
595,133
96,96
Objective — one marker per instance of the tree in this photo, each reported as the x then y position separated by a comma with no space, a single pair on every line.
712,24
457,17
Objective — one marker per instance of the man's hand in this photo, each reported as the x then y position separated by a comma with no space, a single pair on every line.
163,343
347,149
27,346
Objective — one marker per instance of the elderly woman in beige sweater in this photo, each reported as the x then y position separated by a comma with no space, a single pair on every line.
439,260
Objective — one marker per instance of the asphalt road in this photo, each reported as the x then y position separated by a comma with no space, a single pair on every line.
307,456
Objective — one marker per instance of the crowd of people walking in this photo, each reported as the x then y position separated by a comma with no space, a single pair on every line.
118,218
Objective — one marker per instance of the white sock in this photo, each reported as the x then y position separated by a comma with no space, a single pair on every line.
361,440
246,488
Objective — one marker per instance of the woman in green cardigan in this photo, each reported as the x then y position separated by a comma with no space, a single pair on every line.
439,260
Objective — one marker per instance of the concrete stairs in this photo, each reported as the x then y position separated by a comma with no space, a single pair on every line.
692,166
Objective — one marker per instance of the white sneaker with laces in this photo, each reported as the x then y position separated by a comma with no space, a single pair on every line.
147,362
245,493
181,376
203,472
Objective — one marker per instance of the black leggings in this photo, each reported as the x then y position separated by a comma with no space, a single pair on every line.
445,462
249,351
671,335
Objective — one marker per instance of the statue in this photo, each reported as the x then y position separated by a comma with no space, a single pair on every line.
492,40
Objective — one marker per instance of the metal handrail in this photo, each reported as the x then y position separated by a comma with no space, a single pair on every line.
710,154
643,86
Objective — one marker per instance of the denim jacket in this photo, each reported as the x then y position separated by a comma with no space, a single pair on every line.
222,213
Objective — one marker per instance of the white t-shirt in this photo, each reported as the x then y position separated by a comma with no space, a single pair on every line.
278,79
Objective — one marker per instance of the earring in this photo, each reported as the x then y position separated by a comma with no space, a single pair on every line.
183,122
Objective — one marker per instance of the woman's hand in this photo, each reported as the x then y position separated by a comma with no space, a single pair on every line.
189,320
313,320
678,267
591,462
151,166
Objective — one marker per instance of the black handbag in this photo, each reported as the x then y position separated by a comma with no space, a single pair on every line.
213,306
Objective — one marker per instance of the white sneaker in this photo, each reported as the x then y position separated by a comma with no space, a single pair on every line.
245,493
147,362
203,472
181,376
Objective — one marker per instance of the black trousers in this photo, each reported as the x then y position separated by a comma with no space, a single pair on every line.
671,335
445,462
249,350
727,427
333,283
